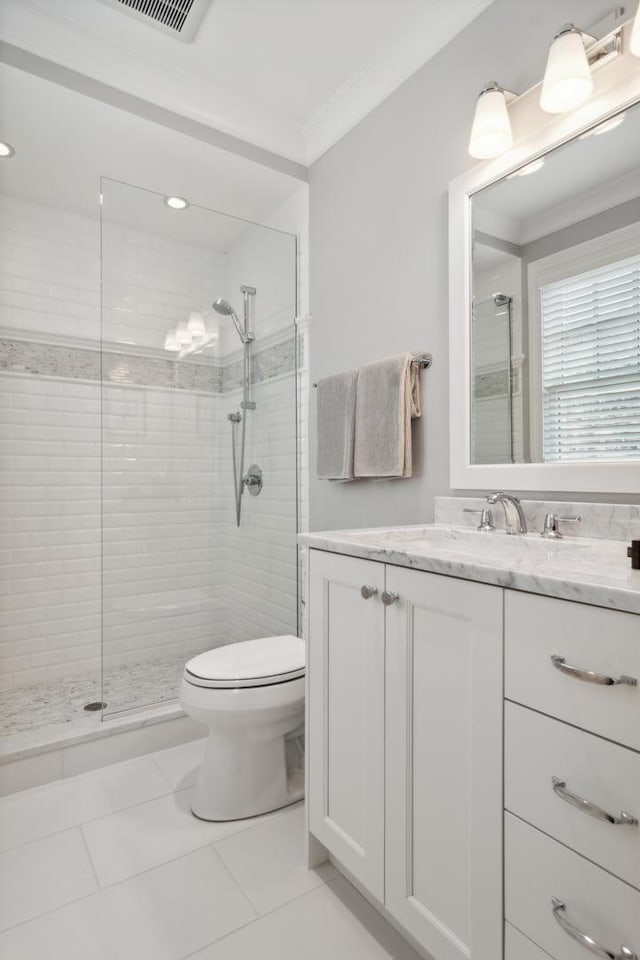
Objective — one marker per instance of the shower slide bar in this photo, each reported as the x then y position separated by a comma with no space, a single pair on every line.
423,360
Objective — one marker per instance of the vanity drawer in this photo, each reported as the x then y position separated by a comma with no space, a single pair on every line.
538,869
517,947
537,749
604,642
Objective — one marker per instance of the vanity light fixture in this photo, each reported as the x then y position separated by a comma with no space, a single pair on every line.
491,131
567,82
195,325
176,203
567,78
183,337
170,342
6,150
634,41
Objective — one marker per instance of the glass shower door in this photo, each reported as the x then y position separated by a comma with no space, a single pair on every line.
178,576
491,400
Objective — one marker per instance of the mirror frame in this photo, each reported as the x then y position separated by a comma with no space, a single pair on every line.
535,134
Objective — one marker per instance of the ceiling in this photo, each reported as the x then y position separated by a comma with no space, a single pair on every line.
291,76
578,180
66,142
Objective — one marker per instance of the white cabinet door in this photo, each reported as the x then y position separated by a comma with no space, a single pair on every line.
444,763
346,713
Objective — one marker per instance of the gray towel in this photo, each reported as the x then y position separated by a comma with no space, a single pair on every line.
336,421
387,399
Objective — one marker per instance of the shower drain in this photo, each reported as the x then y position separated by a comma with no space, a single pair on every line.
95,705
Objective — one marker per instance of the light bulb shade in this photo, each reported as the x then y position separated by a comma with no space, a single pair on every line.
195,325
183,337
170,342
491,131
567,79
634,40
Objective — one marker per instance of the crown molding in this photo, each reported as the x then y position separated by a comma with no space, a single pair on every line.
286,148
368,87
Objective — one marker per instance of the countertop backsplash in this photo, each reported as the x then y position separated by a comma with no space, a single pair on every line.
601,521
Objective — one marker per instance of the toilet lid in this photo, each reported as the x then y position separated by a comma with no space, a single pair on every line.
252,663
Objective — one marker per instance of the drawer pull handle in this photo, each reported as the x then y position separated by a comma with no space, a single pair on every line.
588,675
388,597
584,939
367,592
560,787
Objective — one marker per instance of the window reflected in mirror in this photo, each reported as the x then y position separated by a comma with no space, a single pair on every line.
555,345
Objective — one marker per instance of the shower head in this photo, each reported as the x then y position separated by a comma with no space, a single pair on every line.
223,307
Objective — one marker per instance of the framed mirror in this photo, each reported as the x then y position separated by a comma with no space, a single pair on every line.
545,322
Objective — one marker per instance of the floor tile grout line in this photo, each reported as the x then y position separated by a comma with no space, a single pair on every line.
93,866
152,757
133,806
101,889
84,823
235,881
46,913
104,889
260,916
208,844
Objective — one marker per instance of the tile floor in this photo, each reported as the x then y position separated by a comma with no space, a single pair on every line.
111,864
61,702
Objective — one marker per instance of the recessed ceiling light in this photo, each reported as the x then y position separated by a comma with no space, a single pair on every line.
604,127
532,167
176,203
6,150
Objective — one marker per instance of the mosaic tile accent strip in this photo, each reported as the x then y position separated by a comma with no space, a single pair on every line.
494,384
272,361
79,363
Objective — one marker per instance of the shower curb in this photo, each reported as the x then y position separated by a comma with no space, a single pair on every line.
73,750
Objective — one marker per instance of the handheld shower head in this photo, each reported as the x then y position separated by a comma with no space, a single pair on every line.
224,308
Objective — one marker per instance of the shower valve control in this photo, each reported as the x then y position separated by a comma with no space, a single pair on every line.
253,480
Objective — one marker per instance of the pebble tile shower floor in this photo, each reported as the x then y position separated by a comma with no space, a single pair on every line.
62,701
112,864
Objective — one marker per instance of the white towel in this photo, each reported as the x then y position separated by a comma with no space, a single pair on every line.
387,399
336,421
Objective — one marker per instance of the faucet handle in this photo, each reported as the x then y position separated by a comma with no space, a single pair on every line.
550,529
486,518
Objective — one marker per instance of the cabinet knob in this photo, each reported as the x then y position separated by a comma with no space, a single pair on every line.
368,592
388,597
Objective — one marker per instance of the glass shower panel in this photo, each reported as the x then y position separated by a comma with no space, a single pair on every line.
178,575
491,401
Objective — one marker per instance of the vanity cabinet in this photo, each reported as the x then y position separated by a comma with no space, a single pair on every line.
572,778
346,713
405,732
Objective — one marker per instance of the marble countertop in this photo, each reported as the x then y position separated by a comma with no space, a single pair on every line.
594,571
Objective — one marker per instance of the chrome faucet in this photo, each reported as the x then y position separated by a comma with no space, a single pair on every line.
514,517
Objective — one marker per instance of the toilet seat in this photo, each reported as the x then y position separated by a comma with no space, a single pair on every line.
251,663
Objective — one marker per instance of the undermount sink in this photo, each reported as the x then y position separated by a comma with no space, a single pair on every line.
495,546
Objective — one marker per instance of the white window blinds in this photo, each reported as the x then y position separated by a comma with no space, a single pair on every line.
591,364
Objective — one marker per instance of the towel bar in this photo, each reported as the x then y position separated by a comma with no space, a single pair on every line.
423,360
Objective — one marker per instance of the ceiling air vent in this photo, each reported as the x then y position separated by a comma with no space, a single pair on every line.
179,18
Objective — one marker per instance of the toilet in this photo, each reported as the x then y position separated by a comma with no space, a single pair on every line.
250,696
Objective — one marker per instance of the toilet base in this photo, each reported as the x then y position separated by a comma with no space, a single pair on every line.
240,778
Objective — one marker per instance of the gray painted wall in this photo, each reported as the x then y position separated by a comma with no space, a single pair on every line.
379,239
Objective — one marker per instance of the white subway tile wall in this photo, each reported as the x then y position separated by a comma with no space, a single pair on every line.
130,483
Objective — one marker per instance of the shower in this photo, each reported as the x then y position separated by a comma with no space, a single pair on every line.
253,480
